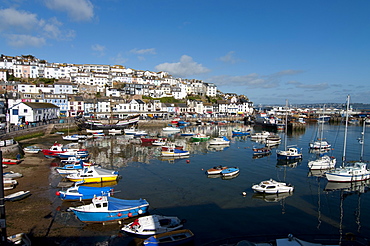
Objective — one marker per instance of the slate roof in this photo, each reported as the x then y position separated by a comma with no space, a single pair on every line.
40,105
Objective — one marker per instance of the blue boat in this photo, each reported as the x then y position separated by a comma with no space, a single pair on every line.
108,209
70,168
77,154
79,193
230,171
238,132
292,153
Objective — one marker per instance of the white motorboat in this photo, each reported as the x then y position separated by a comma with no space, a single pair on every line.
219,141
272,187
289,241
31,149
153,224
323,162
260,135
114,131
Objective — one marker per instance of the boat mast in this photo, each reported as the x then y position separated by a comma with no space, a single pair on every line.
345,133
286,124
362,142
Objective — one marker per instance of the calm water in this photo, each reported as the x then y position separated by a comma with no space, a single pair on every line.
216,209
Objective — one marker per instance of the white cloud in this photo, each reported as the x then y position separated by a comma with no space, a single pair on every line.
98,48
143,51
21,41
12,19
77,10
229,58
184,68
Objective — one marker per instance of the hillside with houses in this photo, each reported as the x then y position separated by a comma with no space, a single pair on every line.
105,91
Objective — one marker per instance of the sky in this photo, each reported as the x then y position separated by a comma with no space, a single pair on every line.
306,51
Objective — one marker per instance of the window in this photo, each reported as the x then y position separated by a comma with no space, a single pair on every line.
25,110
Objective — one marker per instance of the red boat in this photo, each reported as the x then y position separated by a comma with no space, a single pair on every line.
56,149
7,161
148,140
165,148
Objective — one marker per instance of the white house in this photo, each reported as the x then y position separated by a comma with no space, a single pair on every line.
32,112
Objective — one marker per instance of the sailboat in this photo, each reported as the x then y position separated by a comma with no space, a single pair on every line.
349,172
324,161
290,152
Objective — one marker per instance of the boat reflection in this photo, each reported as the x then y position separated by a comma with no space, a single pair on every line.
288,163
217,147
359,186
172,159
272,197
258,156
317,173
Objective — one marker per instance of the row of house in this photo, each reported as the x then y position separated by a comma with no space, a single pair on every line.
119,79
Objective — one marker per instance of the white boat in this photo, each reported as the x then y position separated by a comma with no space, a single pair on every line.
9,183
159,142
219,141
272,187
230,171
12,175
134,131
17,196
349,172
177,237
20,239
291,153
153,224
320,144
260,135
216,170
114,131
323,162
171,129
174,152
31,149
70,138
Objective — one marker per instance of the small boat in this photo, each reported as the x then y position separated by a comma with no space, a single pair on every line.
78,153
70,138
56,149
159,142
174,152
134,131
12,175
272,187
79,193
219,141
273,139
153,224
94,131
230,171
17,196
261,151
187,134
33,149
171,129
291,153
320,145
172,145
240,132
8,161
289,241
70,168
216,170
114,131
323,162
74,159
177,237
200,137
93,175
9,183
260,135
20,239
107,209
148,140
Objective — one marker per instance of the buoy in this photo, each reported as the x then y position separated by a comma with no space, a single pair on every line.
244,193
187,161
57,193
129,214
119,214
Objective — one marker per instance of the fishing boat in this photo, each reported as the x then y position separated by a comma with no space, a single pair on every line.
104,209
216,170
272,187
153,224
93,174
291,153
230,171
9,161
349,172
33,149
177,237
17,196
174,152
219,141
80,193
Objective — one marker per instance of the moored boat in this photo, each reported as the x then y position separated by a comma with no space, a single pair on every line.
92,174
153,224
230,171
272,187
216,170
33,149
79,192
104,209
174,152
177,237
219,141
17,196
9,161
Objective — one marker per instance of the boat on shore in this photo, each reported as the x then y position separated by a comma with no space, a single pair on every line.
177,237
17,196
92,174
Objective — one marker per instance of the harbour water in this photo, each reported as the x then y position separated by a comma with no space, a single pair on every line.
215,209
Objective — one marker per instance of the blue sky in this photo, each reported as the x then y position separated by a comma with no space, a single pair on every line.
307,51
